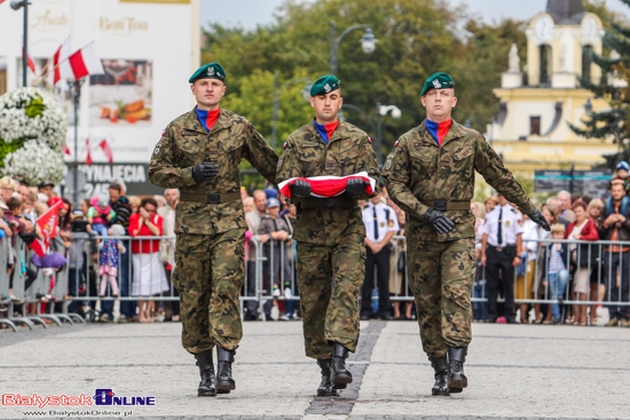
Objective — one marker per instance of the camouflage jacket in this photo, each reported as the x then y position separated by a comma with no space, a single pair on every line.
305,155
418,170
186,143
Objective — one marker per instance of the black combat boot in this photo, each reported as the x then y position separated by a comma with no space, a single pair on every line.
440,366
225,383
207,387
340,373
325,388
457,381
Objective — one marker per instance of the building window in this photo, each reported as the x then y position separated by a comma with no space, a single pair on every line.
534,125
545,64
587,52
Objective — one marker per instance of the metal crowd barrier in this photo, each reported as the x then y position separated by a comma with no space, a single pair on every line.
269,279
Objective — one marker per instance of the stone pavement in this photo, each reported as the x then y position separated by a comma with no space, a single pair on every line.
515,372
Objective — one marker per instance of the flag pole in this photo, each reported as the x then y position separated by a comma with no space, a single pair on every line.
75,91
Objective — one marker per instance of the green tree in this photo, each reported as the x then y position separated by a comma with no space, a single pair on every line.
610,122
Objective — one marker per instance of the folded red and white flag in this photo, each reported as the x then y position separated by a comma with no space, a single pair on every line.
328,186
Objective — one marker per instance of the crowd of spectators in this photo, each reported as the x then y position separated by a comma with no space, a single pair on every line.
106,245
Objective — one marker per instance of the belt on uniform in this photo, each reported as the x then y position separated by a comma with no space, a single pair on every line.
327,203
501,248
443,205
211,198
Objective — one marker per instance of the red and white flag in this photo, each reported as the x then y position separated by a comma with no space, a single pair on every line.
29,61
61,65
66,150
88,156
85,62
107,149
328,186
47,222
38,246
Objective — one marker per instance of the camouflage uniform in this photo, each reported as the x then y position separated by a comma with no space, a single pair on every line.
330,240
418,173
210,223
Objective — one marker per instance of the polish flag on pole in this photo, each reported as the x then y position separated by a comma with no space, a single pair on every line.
88,157
105,146
85,62
61,66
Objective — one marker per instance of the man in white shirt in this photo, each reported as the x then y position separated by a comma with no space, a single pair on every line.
501,247
381,224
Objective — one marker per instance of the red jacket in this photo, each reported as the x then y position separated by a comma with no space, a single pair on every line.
145,246
588,233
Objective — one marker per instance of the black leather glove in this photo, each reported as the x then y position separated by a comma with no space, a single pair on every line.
439,221
540,220
300,188
355,187
204,171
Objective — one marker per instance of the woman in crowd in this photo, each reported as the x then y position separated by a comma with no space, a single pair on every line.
525,272
149,277
582,229
598,288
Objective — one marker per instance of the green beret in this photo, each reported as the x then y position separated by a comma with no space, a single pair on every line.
325,84
208,71
439,80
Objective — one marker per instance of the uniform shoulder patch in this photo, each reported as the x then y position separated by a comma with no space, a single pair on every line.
285,145
163,132
396,143
369,139
388,163
156,151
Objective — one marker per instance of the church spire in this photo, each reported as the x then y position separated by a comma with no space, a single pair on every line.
566,11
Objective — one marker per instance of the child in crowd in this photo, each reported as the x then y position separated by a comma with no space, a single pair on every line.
108,260
555,264
623,170
100,214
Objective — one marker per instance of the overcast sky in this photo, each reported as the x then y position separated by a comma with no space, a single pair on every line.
250,13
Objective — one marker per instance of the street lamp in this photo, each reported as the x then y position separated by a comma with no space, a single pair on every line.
368,42
16,5
277,91
381,111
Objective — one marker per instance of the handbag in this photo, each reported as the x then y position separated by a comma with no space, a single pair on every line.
401,264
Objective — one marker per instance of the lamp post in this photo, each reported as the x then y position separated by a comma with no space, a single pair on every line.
368,42
75,91
16,5
277,91
381,111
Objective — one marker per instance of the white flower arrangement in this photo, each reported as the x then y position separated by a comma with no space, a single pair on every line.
32,114
35,162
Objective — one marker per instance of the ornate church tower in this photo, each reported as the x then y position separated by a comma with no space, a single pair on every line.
539,99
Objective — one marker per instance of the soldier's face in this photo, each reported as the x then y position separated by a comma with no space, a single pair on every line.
327,106
208,93
439,104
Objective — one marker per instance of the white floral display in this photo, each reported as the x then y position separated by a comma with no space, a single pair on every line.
35,162
33,131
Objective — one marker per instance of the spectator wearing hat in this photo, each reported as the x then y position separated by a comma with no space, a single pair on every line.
274,233
100,214
623,170
46,188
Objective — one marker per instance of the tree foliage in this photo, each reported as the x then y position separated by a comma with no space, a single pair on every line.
415,39
613,121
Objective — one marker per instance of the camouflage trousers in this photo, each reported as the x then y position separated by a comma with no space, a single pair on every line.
441,279
330,279
209,274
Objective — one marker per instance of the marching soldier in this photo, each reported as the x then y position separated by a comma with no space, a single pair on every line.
430,174
199,153
329,231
